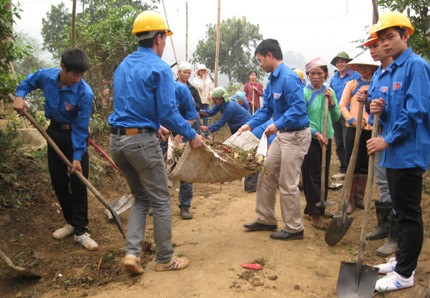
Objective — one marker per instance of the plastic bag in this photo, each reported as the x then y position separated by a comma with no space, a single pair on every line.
246,141
261,153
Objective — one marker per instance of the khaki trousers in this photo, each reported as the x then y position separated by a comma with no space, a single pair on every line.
282,169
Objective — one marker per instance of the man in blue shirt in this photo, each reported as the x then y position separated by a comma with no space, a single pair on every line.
342,76
187,109
406,116
284,101
231,112
144,98
68,104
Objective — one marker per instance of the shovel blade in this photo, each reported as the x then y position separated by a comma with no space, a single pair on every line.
355,282
337,229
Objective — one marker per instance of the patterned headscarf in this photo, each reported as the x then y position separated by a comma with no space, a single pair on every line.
220,92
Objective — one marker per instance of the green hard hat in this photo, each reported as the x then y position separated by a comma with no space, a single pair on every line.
342,55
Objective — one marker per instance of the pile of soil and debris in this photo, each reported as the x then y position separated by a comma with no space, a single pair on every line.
231,154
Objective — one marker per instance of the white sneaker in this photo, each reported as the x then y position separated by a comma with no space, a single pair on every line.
387,267
63,232
394,281
86,241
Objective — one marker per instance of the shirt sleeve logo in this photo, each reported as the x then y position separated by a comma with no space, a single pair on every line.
397,85
276,95
384,89
68,107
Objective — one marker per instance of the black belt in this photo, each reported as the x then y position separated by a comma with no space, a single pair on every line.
294,129
63,126
122,131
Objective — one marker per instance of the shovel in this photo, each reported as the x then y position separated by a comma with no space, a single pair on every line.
322,201
69,164
340,223
18,270
357,279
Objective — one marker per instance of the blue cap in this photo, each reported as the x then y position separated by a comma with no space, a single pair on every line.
240,95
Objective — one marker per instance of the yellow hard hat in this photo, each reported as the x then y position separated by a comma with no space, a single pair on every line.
372,36
150,21
300,73
394,19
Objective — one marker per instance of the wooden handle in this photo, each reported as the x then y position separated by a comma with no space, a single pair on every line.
324,153
346,190
368,195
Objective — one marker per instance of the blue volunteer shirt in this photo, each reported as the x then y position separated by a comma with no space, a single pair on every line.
338,83
68,105
407,112
377,89
185,102
144,95
231,113
284,100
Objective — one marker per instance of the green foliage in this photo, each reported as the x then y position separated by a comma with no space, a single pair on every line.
238,40
98,125
103,31
418,12
56,29
31,61
9,52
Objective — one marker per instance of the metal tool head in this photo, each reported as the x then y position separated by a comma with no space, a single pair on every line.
337,229
356,281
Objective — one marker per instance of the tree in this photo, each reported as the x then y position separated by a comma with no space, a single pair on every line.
56,29
9,51
32,61
103,31
418,12
238,40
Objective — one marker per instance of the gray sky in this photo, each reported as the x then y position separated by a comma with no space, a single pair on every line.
311,27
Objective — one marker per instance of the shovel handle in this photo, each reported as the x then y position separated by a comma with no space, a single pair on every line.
104,154
346,190
368,195
69,164
324,153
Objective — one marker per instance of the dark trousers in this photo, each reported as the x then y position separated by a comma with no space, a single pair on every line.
311,173
185,194
70,191
339,139
405,189
205,120
362,164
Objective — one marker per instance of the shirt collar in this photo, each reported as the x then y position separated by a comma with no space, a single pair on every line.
277,70
55,76
403,56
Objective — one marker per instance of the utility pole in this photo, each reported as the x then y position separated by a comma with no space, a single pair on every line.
375,11
186,30
218,33
73,37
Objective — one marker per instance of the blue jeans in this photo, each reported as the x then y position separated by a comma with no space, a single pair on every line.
185,194
140,159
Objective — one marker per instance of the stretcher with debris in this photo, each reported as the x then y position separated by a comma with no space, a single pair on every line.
215,162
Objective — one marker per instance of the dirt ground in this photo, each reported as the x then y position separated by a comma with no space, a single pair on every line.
214,241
